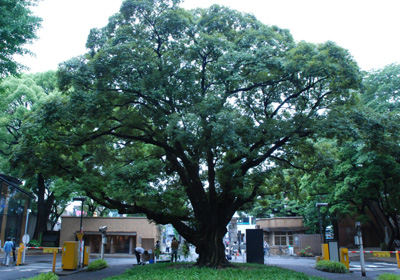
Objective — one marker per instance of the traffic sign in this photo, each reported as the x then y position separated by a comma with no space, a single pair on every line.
79,235
26,239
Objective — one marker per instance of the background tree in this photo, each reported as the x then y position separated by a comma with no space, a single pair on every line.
181,115
358,165
18,28
19,99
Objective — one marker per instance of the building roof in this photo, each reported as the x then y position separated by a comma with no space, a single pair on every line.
14,182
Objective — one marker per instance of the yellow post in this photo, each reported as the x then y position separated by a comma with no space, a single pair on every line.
398,259
19,253
325,251
86,256
54,261
344,257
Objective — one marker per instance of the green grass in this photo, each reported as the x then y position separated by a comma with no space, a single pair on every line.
45,276
97,265
331,266
388,276
182,271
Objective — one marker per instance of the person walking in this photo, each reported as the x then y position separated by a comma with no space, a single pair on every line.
139,251
157,250
174,248
14,249
8,245
167,246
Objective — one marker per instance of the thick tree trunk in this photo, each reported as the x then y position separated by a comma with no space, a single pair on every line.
211,248
41,216
44,208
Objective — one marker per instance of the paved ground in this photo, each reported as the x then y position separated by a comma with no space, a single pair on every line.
36,264
306,265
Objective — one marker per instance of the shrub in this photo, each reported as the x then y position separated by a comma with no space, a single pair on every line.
97,265
331,266
304,253
45,276
388,276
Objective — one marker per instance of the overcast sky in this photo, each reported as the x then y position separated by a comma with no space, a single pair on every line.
369,29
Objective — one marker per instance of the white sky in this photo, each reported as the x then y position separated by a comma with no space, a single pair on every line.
369,29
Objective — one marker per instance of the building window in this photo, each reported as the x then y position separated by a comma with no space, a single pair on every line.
283,238
291,238
280,238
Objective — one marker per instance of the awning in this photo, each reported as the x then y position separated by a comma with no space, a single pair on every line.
285,229
119,233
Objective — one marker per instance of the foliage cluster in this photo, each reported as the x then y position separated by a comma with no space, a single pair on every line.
97,265
388,276
45,276
240,272
18,28
331,266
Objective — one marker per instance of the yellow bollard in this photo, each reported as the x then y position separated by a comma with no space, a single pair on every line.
19,253
325,252
344,257
86,256
398,259
54,260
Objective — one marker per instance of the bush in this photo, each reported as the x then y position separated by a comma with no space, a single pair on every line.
304,252
47,276
388,276
97,265
331,266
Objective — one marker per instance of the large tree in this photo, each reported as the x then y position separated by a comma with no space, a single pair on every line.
18,27
180,115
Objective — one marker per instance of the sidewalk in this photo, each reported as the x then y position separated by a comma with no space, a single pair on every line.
307,266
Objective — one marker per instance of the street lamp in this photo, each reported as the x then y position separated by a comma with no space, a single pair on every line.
319,205
81,199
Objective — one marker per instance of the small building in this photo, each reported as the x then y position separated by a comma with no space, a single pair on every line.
281,231
123,233
14,202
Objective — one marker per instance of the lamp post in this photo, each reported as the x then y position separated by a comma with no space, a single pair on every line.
319,205
25,238
360,243
81,199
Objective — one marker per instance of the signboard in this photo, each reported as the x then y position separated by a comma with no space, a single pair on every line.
50,250
79,235
381,254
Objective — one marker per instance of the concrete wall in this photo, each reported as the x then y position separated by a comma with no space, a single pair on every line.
143,228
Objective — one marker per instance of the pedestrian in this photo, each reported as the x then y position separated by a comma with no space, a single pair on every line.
13,249
174,248
157,250
7,251
139,251
185,250
266,248
168,245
